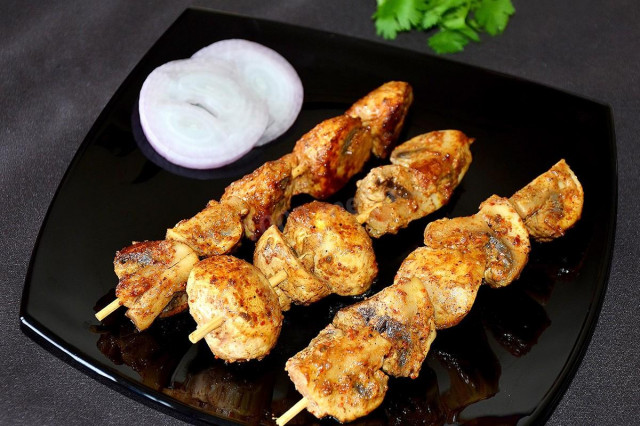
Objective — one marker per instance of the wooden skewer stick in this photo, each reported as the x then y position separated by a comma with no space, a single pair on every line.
208,328
298,170
277,278
292,412
107,310
199,333
362,218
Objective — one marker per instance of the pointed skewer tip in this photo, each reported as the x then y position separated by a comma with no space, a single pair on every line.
292,412
108,310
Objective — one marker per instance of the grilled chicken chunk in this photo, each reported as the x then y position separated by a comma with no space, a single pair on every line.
383,112
340,372
333,246
272,255
262,197
234,290
450,277
215,230
330,154
403,315
443,156
496,229
551,203
149,274
424,173
492,245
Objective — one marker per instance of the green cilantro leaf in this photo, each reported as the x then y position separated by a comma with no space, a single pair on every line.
436,9
448,41
458,21
493,15
393,16
430,19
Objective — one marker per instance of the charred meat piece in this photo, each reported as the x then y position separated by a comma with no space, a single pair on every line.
262,197
392,196
551,203
273,255
330,154
333,246
492,245
450,277
383,112
215,230
149,274
403,315
496,229
424,173
236,291
340,372
443,156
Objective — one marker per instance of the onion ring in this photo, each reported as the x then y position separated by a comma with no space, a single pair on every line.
199,114
268,74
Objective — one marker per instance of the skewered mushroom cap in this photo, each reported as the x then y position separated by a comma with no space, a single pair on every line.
234,290
333,246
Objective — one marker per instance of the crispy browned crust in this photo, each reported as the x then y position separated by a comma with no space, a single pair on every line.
217,229
383,111
265,195
333,246
139,266
330,154
232,289
424,172
340,372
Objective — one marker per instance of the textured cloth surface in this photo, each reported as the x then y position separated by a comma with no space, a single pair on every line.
60,62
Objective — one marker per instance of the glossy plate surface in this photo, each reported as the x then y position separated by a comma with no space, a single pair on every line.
508,362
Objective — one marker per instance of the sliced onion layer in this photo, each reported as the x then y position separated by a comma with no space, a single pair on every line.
268,74
199,114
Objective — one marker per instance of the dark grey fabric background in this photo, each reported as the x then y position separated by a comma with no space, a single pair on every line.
60,63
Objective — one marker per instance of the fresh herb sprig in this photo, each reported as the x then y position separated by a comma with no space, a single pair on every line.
457,21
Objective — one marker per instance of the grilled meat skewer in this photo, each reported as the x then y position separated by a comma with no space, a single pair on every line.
490,246
238,306
149,274
324,159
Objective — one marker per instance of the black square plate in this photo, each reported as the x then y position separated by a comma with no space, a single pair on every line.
508,362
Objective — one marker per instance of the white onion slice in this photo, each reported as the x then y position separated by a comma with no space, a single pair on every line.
199,115
269,74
